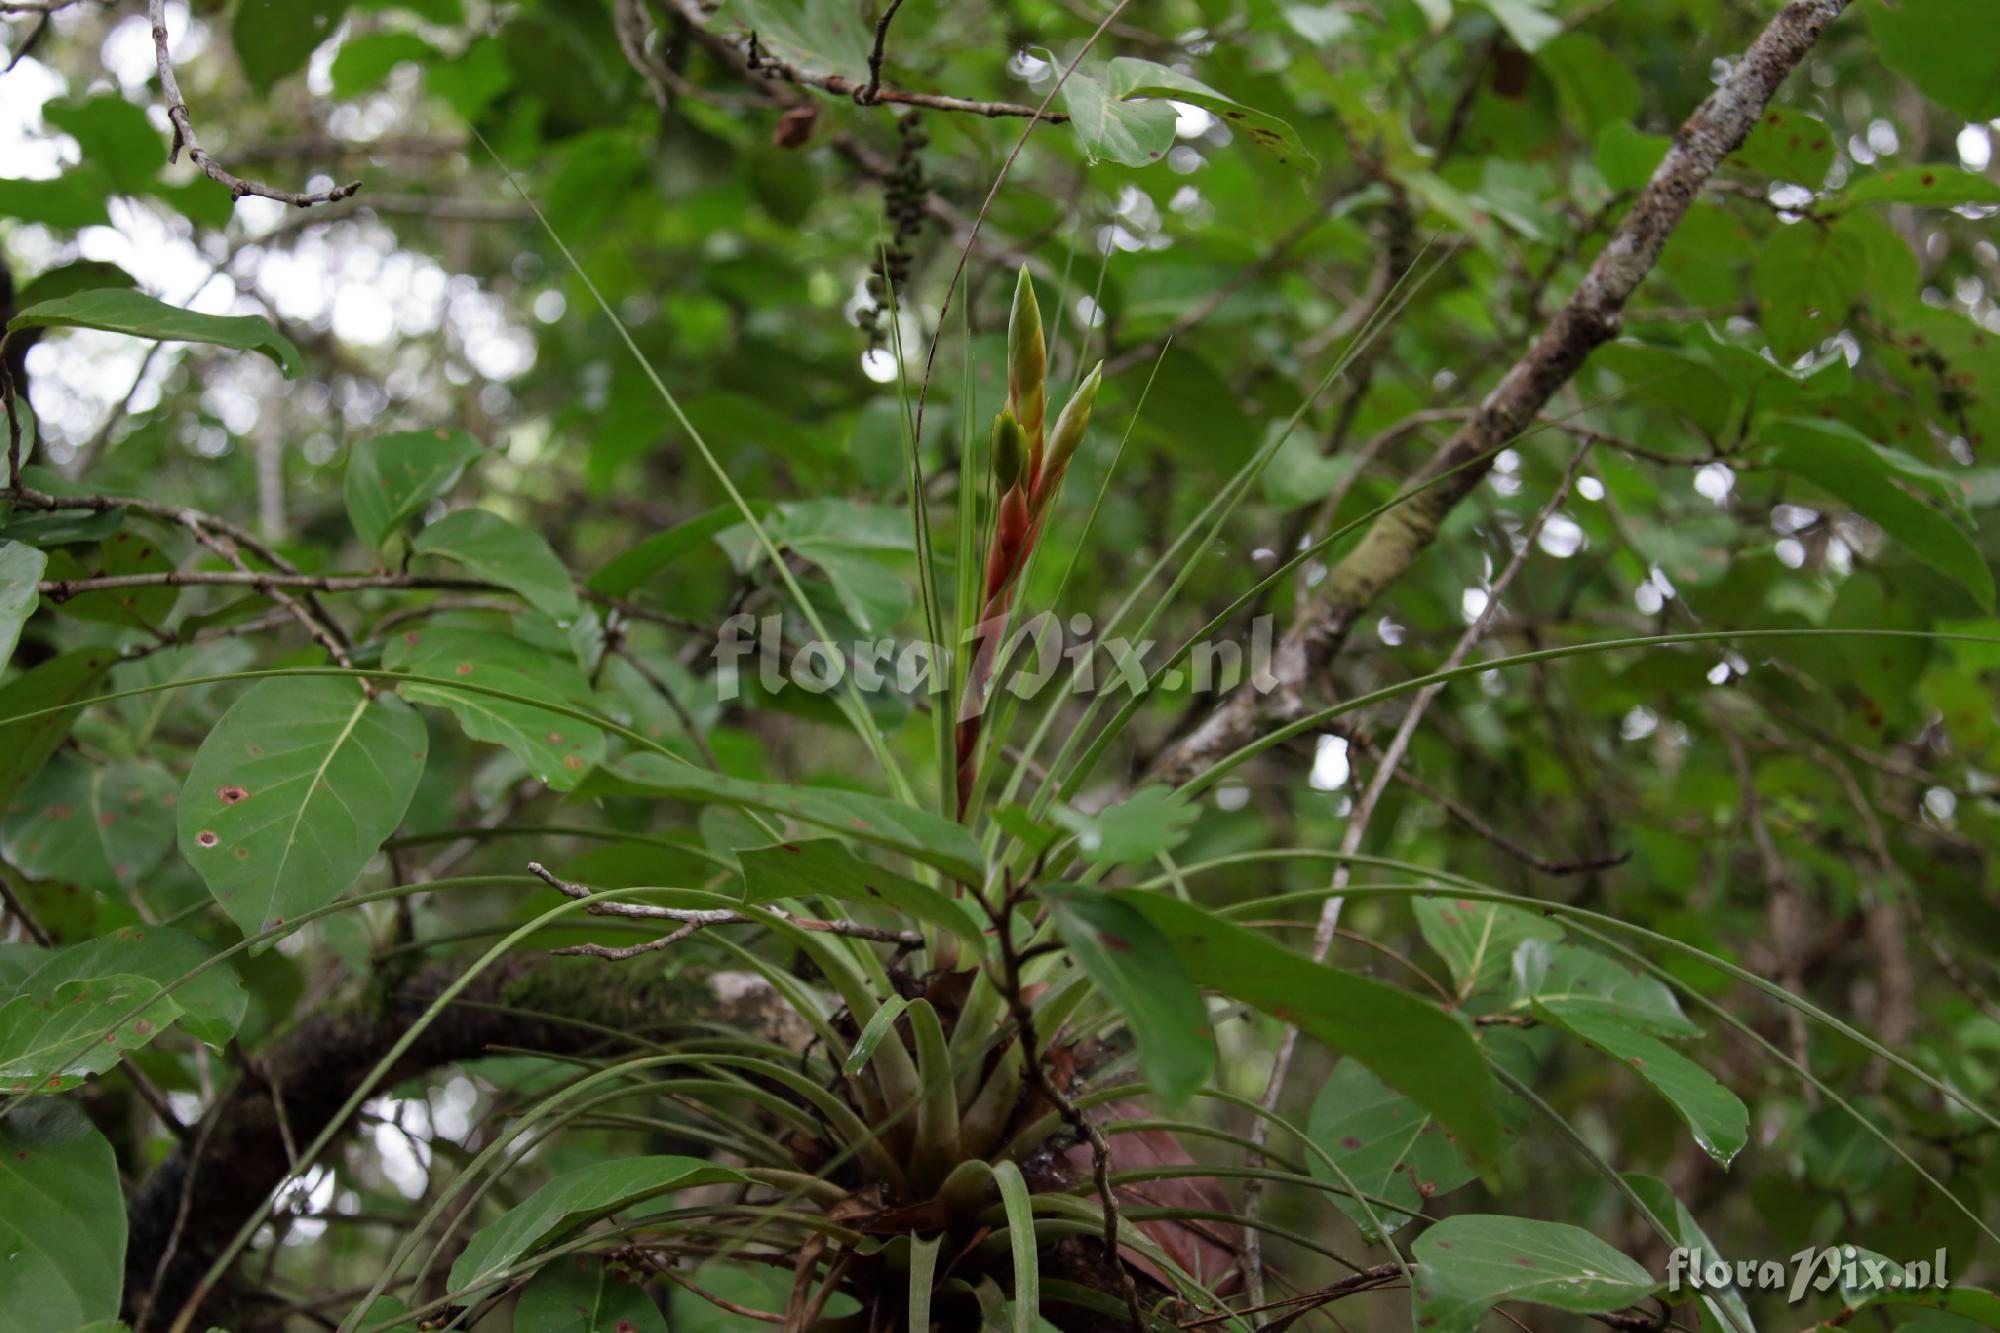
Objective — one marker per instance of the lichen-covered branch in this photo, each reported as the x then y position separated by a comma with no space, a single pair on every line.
1587,320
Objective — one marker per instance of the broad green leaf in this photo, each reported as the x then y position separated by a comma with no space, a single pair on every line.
576,1199
1526,21
1718,1118
1150,821
1845,466
1411,1044
917,834
211,1005
116,138
557,750
578,1292
821,867
1129,78
1723,1309
20,570
274,38
97,826
293,793
1925,41
74,199
1471,1262
1389,1146
54,1040
1133,134
1788,145
1934,186
62,1220
504,553
1808,276
76,276
1135,967
822,35
1477,940
136,548
391,478
365,63
1571,981
121,310
382,1310
26,746
637,564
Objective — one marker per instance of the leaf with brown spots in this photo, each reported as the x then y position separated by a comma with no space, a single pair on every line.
327,774
1467,1264
52,1040
98,826
556,750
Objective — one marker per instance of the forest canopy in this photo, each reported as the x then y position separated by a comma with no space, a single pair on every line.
1055,665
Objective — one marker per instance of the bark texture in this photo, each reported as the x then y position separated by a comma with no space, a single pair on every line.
237,1156
1586,321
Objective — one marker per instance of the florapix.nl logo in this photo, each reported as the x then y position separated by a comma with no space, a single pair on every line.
1858,1273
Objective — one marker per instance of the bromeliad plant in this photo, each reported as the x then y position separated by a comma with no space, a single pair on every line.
989,1037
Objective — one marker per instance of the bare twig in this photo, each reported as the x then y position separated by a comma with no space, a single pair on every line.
1588,319
868,95
757,62
699,917
184,137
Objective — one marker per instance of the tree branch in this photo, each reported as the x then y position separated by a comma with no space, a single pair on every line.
238,1157
183,123
1588,319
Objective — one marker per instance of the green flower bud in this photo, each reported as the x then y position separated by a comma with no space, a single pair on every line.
1010,454
1027,360
1075,419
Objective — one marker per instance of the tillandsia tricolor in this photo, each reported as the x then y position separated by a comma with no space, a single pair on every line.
1028,467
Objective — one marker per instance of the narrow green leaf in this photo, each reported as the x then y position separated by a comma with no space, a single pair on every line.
391,478
917,834
292,794
1412,1045
62,1220
1470,1262
880,1026
822,867
1136,968
503,553
1020,1210
575,1199
121,310
20,570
